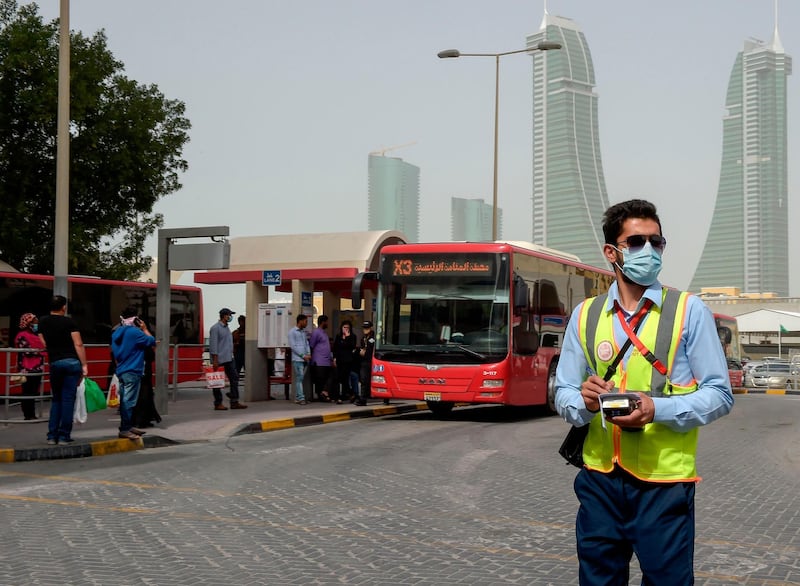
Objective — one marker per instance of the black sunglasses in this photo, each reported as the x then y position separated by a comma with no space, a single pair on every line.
636,242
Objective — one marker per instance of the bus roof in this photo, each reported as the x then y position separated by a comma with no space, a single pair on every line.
95,280
723,316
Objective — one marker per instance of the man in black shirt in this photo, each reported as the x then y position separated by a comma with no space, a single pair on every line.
67,358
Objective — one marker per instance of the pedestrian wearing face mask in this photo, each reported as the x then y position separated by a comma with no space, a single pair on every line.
637,484
31,362
220,347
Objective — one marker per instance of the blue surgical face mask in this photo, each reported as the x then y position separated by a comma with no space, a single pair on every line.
641,267
35,328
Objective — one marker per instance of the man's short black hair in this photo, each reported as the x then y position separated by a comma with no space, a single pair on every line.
129,311
58,302
322,319
616,215
301,317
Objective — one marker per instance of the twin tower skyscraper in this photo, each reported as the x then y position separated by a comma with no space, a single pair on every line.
747,244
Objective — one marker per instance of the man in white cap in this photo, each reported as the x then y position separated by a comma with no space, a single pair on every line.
220,347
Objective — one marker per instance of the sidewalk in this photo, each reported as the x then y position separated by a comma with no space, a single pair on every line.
190,419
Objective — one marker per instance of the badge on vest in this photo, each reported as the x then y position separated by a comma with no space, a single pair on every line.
604,351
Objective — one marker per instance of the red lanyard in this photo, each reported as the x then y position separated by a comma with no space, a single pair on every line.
629,327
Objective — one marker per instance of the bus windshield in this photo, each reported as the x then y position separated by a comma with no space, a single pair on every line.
444,308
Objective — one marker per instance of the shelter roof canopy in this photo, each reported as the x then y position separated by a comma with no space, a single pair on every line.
318,257
768,320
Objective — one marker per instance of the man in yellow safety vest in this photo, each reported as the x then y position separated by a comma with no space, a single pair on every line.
659,347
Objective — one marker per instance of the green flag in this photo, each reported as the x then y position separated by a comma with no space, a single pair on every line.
783,330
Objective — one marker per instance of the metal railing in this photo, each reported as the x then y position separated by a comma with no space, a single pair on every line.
10,370
10,365
178,366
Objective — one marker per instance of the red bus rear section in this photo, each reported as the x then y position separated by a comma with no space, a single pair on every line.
95,305
463,322
728,330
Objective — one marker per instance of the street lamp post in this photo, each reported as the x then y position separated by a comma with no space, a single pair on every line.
453,53
61,236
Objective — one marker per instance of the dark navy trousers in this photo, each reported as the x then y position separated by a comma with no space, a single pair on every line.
620,515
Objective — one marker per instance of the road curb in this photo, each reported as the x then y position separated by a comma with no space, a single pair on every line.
303,421
766,392
117,446
83,450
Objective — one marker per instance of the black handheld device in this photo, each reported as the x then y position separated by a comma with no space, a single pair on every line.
616,404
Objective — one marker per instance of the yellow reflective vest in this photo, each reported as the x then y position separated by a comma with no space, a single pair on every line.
657,453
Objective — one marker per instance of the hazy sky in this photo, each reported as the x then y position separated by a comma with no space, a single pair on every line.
287,99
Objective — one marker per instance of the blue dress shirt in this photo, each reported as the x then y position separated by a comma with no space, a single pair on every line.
298,342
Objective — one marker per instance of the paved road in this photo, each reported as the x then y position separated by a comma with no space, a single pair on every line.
479,499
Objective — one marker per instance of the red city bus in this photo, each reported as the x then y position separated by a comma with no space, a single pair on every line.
95,305
728,331
469,322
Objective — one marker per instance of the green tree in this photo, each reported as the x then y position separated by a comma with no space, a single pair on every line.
126,145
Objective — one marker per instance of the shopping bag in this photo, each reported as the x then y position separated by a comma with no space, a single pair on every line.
95,399
79,413
112,400
215,379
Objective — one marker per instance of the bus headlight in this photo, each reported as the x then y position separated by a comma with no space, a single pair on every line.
493,383
379,378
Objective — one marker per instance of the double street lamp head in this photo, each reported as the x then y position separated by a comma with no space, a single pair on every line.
548,46
541,46
453,53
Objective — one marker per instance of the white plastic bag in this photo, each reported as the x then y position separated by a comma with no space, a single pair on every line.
80,414
112,399
215,379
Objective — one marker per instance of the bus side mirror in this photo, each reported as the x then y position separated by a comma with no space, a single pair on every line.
358,286
725,335
520,292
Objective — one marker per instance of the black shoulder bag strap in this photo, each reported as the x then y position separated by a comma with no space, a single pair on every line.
572,447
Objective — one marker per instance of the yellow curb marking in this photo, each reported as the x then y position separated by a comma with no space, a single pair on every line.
6,456
105,447
384,410
277,424
776,391
333,417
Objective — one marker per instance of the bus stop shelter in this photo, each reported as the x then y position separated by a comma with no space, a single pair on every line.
308,263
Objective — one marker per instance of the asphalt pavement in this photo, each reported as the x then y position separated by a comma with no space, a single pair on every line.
190,418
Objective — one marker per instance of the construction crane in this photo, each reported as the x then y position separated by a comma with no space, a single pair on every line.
381,152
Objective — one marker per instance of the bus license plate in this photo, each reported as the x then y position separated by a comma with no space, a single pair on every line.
432,396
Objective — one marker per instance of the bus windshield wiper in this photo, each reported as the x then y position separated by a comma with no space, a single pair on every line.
466,350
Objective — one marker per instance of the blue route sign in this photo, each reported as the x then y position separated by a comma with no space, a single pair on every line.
270,278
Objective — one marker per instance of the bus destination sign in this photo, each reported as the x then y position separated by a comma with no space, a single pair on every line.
417,267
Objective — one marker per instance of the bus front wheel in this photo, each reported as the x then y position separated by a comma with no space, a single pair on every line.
440,408
551,388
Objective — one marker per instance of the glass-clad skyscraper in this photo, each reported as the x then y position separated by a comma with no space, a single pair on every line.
569,190
472,220
393,196
747,244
